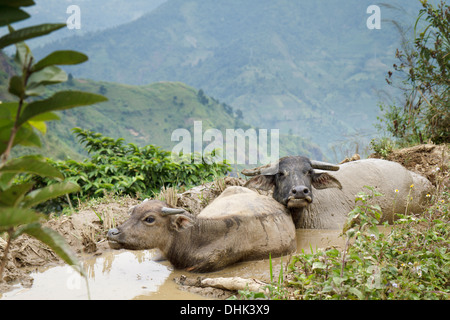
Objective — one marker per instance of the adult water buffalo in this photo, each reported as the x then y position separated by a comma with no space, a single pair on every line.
239,225
294,179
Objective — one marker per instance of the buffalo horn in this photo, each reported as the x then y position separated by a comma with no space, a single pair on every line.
266,170
324,165
251,172
168,211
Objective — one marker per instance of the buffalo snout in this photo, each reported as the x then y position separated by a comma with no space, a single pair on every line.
112,237
299,196
112,233
300,192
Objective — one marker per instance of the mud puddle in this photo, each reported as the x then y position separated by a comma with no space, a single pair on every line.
135,275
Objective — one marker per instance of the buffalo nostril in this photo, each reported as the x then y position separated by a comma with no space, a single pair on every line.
113,232
306,191
294,191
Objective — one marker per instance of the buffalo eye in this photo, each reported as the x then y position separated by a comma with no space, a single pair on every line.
282,174
149,219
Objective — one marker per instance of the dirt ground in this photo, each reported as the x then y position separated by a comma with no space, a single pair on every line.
424,159
85,230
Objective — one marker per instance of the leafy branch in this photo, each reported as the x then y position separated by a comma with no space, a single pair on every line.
424,66
19,121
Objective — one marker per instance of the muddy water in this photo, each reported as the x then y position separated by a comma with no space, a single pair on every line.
135,275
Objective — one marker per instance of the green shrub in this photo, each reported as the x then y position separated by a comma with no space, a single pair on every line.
119,168
424,67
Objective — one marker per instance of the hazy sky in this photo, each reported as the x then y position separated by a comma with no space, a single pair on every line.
95,15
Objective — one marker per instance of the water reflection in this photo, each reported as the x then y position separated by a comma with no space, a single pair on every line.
113,275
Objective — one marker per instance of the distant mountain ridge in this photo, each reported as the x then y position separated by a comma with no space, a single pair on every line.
306,67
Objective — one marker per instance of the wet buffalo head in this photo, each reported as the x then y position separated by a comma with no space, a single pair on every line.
291,179
151,225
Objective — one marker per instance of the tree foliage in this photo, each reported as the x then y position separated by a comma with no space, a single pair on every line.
425,67
116,167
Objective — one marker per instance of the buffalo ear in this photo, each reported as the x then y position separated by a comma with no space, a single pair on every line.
181,221
261,182
324,181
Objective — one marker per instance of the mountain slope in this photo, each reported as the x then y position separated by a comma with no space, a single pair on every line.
307,67
143,115
149,115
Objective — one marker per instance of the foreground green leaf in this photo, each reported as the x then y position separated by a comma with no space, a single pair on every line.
357,293
60,101
31,164
11,217
49,116
8,110
11,197
23,53
45,76
61,58
16,87
50,192
29,33
9,15
17,3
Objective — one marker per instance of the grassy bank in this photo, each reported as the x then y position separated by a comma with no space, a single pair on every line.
411,261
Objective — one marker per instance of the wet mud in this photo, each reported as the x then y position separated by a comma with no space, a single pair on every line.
123,274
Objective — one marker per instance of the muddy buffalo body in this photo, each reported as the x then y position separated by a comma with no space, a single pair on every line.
239,225
319,199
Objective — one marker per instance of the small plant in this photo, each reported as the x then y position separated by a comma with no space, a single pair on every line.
409,262
382,146
275,290
20,120
349,274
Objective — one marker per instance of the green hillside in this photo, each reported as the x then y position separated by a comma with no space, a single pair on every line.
142,115
148,115
311,68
